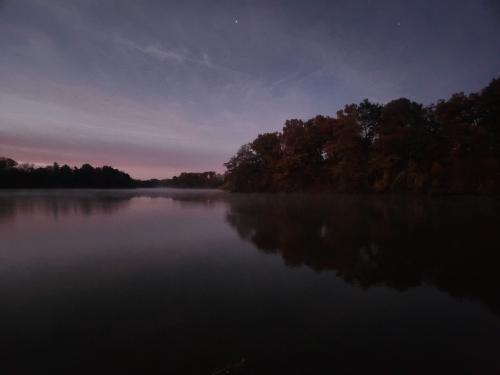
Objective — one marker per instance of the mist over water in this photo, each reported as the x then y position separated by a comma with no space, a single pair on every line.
203,282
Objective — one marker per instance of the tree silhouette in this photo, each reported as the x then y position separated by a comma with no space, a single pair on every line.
13,175
451,147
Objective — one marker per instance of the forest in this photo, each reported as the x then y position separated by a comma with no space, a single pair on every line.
450,147
201,180
14,175
186,180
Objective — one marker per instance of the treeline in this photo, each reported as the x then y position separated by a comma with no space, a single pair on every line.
449,147
187,180
13,175
206,180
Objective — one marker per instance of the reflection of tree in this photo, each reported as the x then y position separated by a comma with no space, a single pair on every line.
400,242
60,205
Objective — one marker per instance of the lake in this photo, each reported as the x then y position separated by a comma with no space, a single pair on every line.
167,281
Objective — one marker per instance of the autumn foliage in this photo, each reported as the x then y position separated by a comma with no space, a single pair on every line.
450,147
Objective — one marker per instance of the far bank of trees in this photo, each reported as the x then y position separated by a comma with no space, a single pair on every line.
449,147
14,176
188,180
204,180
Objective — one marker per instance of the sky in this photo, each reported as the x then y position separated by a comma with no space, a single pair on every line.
156,87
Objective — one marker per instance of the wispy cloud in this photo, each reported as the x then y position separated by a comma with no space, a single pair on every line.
160,53
178,56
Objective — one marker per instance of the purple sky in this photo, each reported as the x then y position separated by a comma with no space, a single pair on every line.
158,87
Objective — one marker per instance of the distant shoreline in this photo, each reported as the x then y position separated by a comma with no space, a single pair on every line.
451,147
261,193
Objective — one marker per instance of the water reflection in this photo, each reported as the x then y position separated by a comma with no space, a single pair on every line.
402,242
60,203
169,281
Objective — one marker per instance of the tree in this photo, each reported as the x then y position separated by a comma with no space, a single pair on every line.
243,170
452,146
267,148
6,163
399,147
368,115
346,152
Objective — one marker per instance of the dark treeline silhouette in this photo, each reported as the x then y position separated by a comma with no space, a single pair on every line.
195,180
189,180
449,147
13,175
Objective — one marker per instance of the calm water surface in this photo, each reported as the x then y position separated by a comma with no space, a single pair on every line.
204,282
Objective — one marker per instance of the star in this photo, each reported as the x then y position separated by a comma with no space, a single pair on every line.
236,21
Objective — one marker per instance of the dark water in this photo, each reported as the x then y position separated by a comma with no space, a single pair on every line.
185,282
